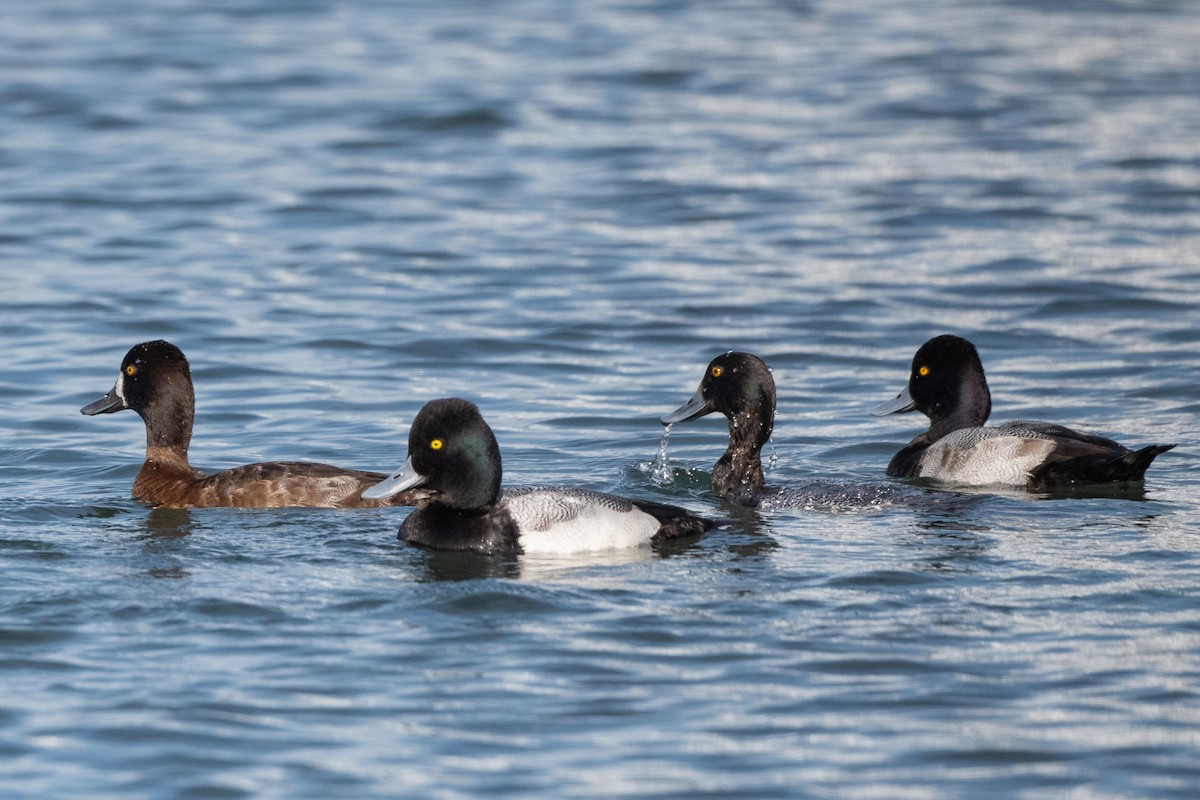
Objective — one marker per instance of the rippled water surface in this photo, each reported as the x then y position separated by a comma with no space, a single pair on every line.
562,211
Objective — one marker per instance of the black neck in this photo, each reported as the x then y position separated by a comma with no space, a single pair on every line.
740,468
970,407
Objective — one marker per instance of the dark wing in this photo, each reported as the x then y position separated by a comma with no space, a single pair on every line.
1068,436
674,522
1085,458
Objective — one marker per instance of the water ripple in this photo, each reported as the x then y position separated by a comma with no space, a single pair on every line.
564,212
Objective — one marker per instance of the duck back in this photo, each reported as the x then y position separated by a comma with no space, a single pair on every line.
274,484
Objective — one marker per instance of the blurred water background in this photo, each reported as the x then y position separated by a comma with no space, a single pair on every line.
562,211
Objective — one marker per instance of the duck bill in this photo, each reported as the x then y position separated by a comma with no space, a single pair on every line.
694,408
404,478
113,401
901,404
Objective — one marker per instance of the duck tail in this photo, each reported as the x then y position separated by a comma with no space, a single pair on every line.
674,522
1133,466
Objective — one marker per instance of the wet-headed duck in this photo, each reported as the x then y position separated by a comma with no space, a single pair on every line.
947,385
453,453
156,382
740,386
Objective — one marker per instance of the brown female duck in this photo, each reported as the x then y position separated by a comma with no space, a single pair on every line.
156,382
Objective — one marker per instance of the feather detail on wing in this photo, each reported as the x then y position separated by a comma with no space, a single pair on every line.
1062,434
565,520
982,456
292,483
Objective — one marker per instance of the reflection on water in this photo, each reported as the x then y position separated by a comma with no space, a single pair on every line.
441,565
447,565
951,544
174,572
167,522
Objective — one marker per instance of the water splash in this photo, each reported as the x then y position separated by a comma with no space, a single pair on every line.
772,459
660,470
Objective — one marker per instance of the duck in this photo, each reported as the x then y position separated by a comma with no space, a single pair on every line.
739,386
453,454
155,380
947,385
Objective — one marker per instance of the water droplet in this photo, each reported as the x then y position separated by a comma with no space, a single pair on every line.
660,471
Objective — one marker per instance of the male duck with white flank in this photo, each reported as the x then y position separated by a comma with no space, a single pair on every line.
947,385
156,382
453,454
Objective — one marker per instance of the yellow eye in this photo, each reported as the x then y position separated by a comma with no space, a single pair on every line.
923,371
715,372
131,370
436,444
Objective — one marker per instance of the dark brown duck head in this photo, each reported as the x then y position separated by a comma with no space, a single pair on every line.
156,382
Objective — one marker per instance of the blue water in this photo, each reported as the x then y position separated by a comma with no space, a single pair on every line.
562,211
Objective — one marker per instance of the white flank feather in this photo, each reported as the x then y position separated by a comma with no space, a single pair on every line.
985,456
562,520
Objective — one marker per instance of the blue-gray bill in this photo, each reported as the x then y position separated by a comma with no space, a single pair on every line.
694,408
105,405
900,404
403,478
